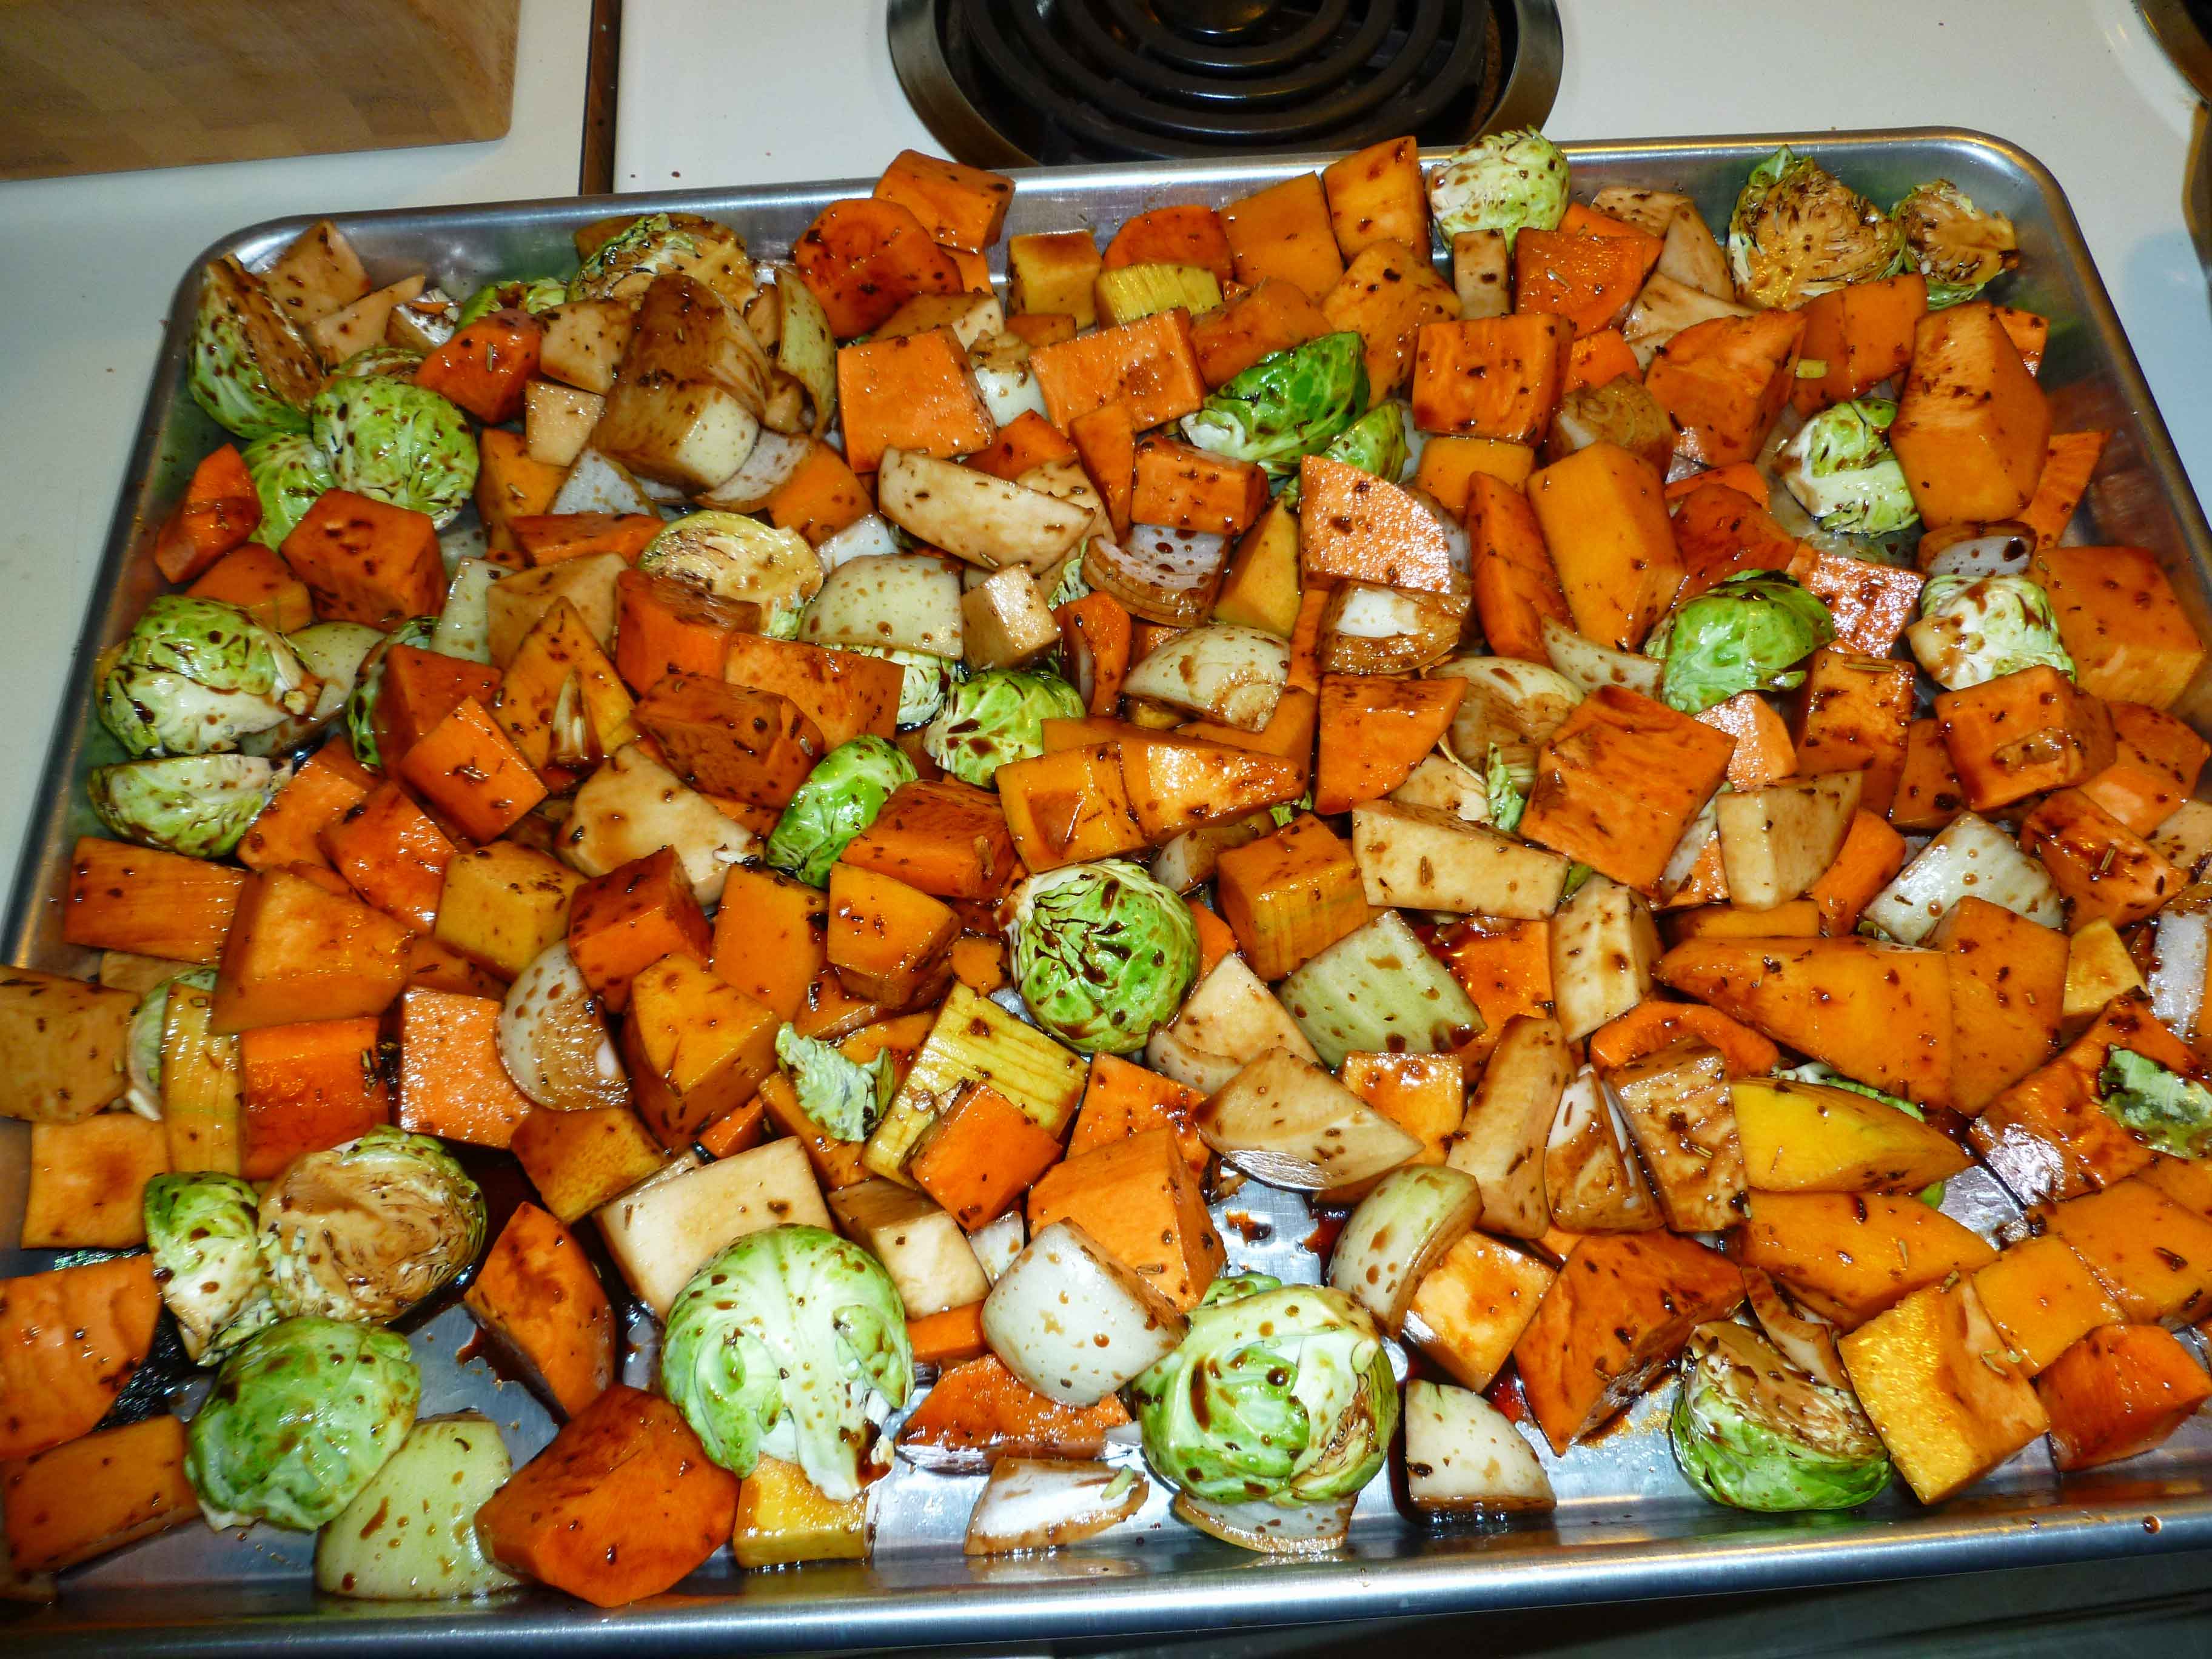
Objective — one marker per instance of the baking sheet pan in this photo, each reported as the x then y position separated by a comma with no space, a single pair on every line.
1626,1529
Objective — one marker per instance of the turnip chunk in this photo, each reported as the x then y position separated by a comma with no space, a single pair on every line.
1464,1457
1074,1323
1283,1121
1043,1502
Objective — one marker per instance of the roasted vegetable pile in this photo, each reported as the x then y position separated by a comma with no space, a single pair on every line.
891,798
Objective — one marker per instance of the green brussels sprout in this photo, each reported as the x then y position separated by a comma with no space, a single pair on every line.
928,681
789,1344
1750,1431
366,1229
2170,1112
1508,801
1798,231
840,798
195,676
1102,954
1505,181
396,442
251,369
204,1233
1973,629
142,1043
845,1098
1278,1394
995,718
626,262
1839,467
333,653
398,362
530,294
289,471
300,1416
368,686
1959,248
1742,635
1286,406
200,805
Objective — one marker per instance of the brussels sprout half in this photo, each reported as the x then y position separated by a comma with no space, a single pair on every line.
289,471
396,442
1798,231
200,805
1278,1393
1503,181
530,294
995,718
300,1416
1102,954
626,262
1286,406
2168,1111
788,1345
1839,467
928,681
845,1098
203,1230
250,368
840,798
1975,629
1742,635
1959,248
1751,1431
195,676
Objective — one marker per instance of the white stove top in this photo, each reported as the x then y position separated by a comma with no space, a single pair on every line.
779,91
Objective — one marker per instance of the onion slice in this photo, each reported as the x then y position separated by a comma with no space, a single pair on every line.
1464,1456
1307,1529
1044,1503
1807,1343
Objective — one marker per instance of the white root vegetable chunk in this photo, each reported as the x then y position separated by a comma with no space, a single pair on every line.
410,1534
991,522
909,603
921,1245
1664,308
1970,858
596,484
997,1244
868,537
1443,784
1231,674
1776,842
1501,1140
1806,1342
1419,858
1268,1528
553,1037
1046,1502
775,458
1401,1230
1591,1178
1074,1323
1285,1121
633,806
1591,665
1464,1457
1682,1117
1604,945
671,1225
1229,1017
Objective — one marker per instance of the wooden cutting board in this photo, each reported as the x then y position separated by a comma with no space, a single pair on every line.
101,86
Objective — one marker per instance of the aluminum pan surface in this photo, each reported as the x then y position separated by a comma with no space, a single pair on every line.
1627,1528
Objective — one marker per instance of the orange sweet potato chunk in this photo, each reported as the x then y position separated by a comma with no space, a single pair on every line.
1973,427
297,951
452,1083
2121,622
97,1494
1374,730
1138,1198
1619,780
151,903
2118,1393
1604,519
539,1296
365,561
70,1339
306,1087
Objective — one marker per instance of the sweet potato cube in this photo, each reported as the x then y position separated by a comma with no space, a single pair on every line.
979,1154
1931,1373
297,951
2121,622
1053,272
64,1044
845,694
1721,531
2069,460
1028,440
1449,467
1374,730
1386,296
1849,1256
820,497
1504,968
516,604
2119,1393
960,207
909,391
632,917
770,935
325,786
2152,1254
1274,316
432,966
2021,734
623,1504
1618,782
1852,715
69,1340
1425,1095
1377,195
89,1182
1881,1013
1605,522
219,510
2008,987
579,1160
1871,604
979,1412
888,941
1723,382
1471,1307
306,1087
156,904
1149,365
1290,895
1872,853
1122,1099
1188,489
1496,377
1283,234
468,767
91,1495
366,561
757,746
698,1047
665,627
1590,280
1068,807
1971,424
503,904
942,836
1138,1198
561,700
420,688
259,583
1651,1026
452,1083
1862,333
2104,871
392,854
538,1297
1929,792
1354,526
2042,1298
2155,764
1618,1312
1515,583
550,538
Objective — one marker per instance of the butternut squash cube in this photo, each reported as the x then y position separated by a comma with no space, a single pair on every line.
2153,1254
2043,1298
1138,1198
2007,992
697,1046
580,1160
1290,895
504,903
2119,1393
296,952
2122,622
89,1182
1471,1307
783,1518
1847,1256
